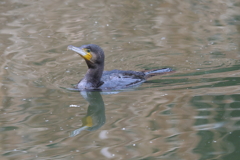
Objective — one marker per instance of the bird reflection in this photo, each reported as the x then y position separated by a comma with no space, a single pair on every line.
95,117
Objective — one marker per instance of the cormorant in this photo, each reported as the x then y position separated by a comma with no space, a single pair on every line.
98,79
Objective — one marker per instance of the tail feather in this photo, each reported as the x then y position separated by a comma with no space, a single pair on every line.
156,72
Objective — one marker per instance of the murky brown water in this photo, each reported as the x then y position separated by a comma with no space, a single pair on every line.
190,114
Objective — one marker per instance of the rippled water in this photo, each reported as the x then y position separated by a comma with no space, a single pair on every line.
192,113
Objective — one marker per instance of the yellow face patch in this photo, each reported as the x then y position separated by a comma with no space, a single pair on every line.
87,121
87,54
83,52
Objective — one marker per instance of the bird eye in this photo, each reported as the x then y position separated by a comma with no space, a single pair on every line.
88,50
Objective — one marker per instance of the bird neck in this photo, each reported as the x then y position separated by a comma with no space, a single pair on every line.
92,79
94,74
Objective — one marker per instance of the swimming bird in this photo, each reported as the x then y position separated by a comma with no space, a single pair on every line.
98,79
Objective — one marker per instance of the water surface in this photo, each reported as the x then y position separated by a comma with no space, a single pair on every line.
192,113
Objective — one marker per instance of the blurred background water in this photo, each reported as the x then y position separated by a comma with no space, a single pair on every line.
193,113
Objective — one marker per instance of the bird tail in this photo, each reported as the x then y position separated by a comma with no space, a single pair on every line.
156,72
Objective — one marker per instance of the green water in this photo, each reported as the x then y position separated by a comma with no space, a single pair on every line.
192,113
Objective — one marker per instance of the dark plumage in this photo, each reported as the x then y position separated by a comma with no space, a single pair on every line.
97,79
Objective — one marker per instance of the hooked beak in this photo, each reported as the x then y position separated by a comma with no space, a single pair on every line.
81,51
